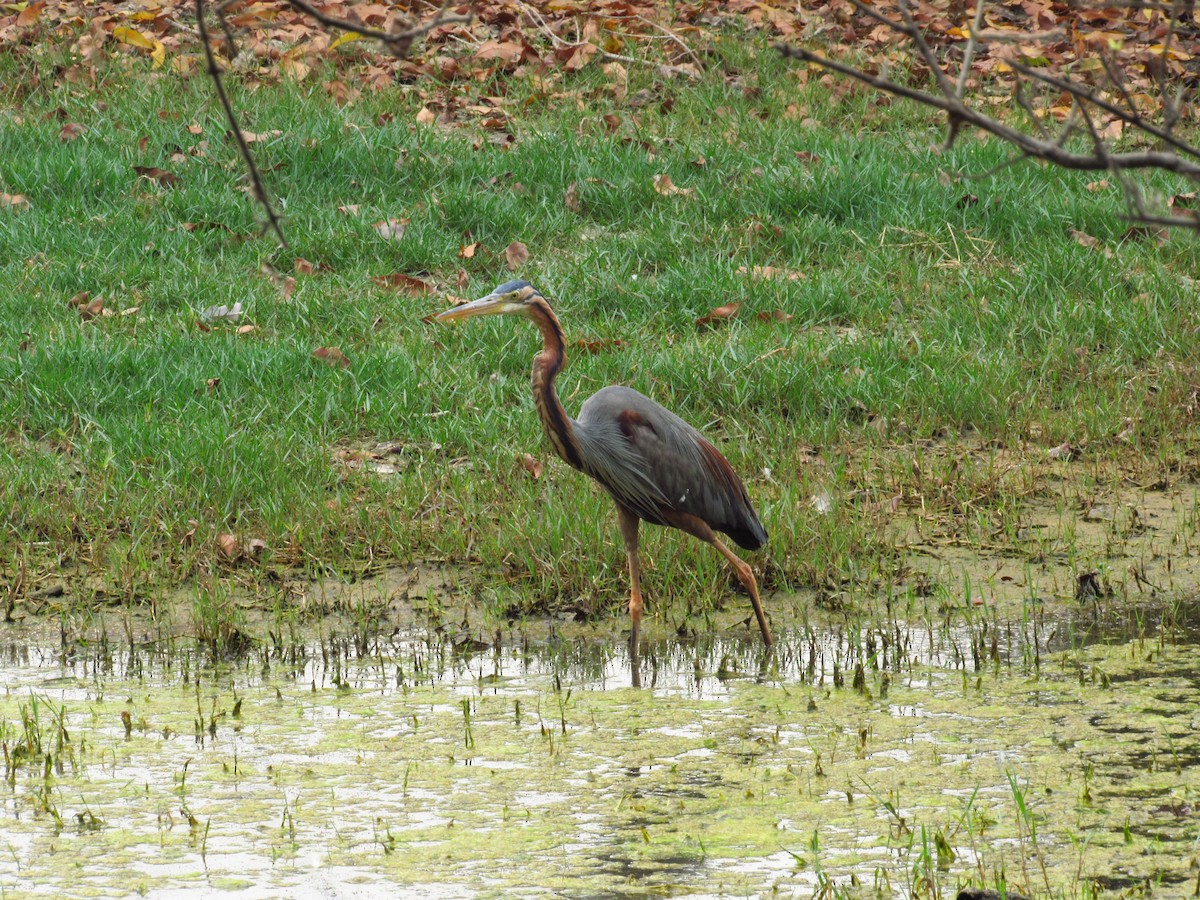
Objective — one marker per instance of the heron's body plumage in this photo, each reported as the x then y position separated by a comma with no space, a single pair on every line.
655,463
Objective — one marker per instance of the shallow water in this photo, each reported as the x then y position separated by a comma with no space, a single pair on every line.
872,763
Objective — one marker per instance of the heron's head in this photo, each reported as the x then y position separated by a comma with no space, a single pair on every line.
513,298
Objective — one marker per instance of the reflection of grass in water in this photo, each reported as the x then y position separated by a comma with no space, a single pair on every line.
437,776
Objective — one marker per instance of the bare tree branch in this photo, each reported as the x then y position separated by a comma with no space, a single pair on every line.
1093,107
1147,159
214,72
398,42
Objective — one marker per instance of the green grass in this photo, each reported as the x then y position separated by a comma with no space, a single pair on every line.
920,322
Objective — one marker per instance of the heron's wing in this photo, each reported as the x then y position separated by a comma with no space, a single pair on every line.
654,463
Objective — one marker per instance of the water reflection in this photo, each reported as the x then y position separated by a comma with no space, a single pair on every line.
452,764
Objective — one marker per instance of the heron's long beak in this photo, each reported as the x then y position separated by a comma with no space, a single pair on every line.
491,305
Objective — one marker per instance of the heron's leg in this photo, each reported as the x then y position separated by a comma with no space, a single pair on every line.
746,576
698,528
629,530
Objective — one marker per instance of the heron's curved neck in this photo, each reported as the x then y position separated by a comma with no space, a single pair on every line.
559,427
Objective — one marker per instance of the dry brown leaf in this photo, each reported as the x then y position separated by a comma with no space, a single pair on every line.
303,266
30,14
15,202
401,282
599,346
227,546
332,356
92,310
350,209
720,315
1083,239
467,251
532,466
571,197
426,116
1154,233
163,177
516,254
1100,185
255,547
257,137
775,315
246,329
1063,451
504,51
665,186
70,131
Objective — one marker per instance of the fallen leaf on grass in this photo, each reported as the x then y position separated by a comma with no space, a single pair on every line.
665,186
532,466
350,209
467,251
516,254
585,346
131,311
285,283
775,315
807,156
719,315
504,51
212,384
331,356
1190,200
1100,185
92,310
227,545
303,266
426,116
1083,239
70,131
1146,233
571,197
246,329
255,547
257,137
16,202
162,176
966,200
1063,451
391,229
407,283
30,13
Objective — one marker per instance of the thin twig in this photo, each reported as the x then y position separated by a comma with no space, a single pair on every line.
931,59
214,72
398,42
1087,92
663,67
673,36
969,52
952,105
